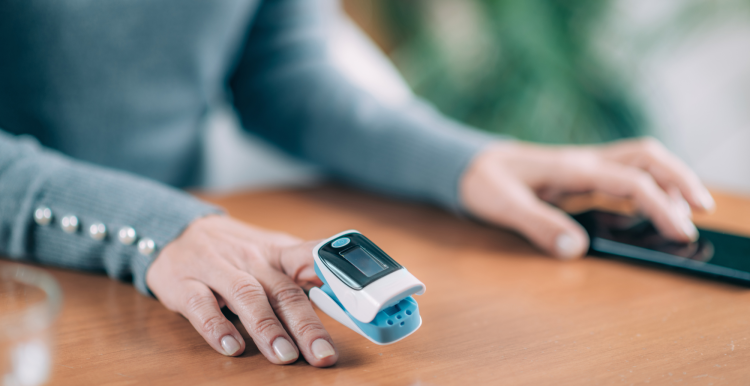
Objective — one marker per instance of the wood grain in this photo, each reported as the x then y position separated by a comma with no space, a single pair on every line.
496,311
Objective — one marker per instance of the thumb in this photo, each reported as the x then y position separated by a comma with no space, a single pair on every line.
549,228
297,263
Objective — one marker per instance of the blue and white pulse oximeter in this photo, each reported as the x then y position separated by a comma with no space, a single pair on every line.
365,289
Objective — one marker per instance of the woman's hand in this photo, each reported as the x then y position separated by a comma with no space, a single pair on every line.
508,183
218,261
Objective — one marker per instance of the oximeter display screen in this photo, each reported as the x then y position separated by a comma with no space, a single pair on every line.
356,261
363,261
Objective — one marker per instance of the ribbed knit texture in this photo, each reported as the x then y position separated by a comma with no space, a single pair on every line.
288,89
125,85
31,177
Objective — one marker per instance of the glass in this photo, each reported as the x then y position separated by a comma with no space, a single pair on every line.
30,301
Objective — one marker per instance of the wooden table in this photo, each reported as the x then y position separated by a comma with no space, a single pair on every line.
495,311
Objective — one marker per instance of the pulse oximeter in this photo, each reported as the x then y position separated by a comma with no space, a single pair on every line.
365,289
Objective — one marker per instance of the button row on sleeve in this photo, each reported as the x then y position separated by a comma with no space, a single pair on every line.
43,215
127,235
98,231
69,223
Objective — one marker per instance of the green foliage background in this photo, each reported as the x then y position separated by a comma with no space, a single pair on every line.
530,71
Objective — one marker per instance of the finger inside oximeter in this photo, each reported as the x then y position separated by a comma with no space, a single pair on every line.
365,289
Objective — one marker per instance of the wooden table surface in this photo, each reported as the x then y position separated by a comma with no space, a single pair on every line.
495,311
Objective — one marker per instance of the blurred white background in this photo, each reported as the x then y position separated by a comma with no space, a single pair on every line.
236,159
695,91
695,86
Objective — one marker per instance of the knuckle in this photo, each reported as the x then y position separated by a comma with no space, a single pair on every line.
588,159
252,250
578,161
651,145
645,185
642,180
211,323
253,253
289,294
196,300
196,305
264,324
246,290
567,159
308,326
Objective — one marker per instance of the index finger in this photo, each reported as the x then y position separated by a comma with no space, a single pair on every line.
668,170
297,263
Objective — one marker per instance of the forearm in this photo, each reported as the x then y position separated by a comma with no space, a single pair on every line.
32,177
288,90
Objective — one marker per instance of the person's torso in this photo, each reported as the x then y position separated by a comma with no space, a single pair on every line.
122,83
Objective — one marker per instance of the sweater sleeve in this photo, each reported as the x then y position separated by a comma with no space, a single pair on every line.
287,89
40,190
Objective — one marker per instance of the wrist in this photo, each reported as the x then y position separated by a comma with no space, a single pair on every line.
477,181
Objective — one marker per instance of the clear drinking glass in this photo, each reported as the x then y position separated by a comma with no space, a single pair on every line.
30,301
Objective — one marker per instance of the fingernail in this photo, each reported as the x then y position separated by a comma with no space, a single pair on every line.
567,247
230,345
690,230
284,350
322,349
707,201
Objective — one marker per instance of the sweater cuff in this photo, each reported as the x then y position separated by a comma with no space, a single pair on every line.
451,154
113,198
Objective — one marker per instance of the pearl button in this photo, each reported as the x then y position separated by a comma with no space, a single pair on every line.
98,231
69,223
146,246
126,235
43,215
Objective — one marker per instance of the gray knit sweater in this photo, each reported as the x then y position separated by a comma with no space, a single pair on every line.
101,104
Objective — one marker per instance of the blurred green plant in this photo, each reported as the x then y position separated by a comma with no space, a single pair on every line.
519,67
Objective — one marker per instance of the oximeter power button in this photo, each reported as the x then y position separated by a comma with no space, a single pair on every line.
338,243
375,299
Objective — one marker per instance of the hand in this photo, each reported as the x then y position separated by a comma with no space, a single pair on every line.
218,261
508,183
